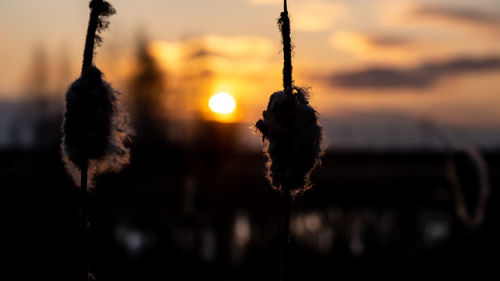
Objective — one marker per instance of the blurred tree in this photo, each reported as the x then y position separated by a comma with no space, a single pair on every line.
39,125
37,79
146,94
64,71
38,75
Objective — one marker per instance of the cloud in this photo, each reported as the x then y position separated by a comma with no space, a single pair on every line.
412,46
420,77
456,15
377,47
317,15
362,42
202,53
313,15
226,53
388,41
239,46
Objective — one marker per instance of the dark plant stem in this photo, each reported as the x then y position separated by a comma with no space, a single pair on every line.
285,224
88,57
84,252
88,52
284,23
287,50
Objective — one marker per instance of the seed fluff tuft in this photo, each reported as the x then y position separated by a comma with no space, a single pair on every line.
96,127
294,140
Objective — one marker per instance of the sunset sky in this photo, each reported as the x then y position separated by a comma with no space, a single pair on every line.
436,60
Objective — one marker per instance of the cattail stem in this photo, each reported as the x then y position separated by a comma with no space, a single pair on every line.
84,256
284,23
290,126
88,122
285,233
88,52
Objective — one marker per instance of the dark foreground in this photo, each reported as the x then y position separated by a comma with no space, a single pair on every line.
208,214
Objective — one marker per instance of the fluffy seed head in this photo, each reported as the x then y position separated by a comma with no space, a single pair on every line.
95,127
294,140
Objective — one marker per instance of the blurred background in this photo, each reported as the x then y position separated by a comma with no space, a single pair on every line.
409,97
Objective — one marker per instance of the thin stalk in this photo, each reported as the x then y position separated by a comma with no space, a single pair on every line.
88,57
287,50
285,234
284,23
88,52
84,251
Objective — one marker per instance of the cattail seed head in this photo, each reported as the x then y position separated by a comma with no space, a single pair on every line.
87,121
96,128
294,140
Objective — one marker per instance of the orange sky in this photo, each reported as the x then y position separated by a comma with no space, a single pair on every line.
242,47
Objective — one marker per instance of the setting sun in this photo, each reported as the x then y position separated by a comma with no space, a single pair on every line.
222,103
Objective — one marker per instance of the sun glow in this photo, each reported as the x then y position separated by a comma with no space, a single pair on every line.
222,103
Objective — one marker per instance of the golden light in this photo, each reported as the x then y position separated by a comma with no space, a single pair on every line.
222,103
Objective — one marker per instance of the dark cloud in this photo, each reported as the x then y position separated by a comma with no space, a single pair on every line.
420,77
203,54
388,41
383,78
458,14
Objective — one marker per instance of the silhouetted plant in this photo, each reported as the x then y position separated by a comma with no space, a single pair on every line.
95,129
294,138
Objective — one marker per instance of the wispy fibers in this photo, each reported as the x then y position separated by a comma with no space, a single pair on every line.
293,136
96,128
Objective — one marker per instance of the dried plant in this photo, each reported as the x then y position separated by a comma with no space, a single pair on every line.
294,140
293,136
290,128
96,127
